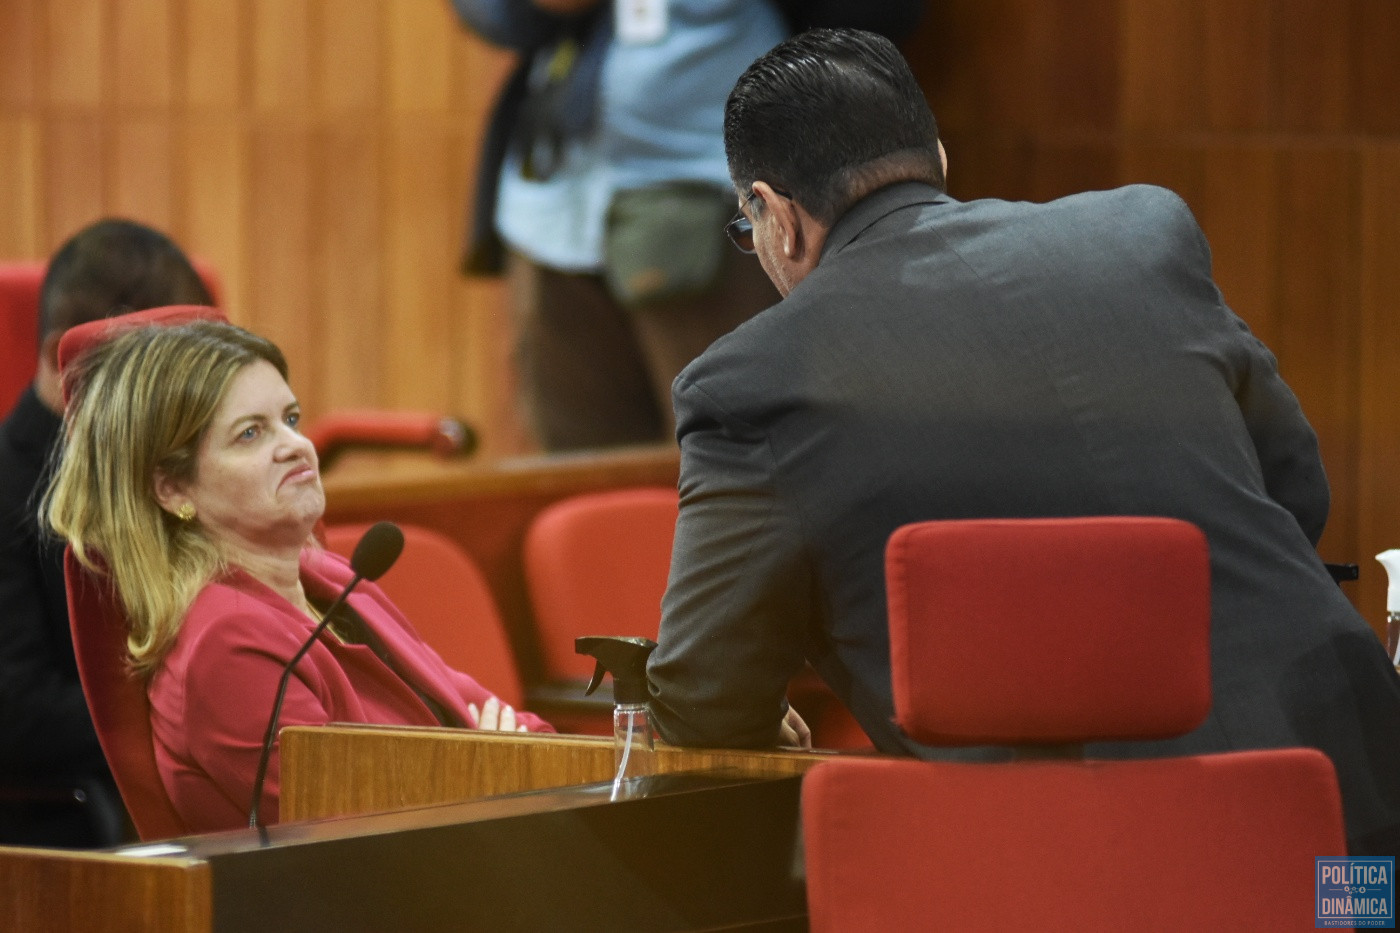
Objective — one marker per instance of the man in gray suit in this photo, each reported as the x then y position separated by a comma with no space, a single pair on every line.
938,359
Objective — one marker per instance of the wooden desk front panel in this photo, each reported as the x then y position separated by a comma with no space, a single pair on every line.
350,770
43,890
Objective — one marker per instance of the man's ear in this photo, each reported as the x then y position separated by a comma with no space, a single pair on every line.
48,349
47,385
787,220
169,493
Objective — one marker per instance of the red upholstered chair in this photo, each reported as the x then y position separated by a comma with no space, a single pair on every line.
117,701
439,588
1044,634
595,564
19,328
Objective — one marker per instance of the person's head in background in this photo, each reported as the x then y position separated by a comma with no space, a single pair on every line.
815,125
109,268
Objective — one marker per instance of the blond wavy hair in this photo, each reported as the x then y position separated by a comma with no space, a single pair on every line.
140,404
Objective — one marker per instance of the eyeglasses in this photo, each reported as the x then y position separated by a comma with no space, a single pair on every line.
740,229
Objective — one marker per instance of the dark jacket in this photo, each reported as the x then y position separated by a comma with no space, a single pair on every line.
996,359
45,729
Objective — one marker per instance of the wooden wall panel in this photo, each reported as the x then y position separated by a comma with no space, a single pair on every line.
1235,65
214,199
1378,364
423,231
348,264
1060,167
142,172
1376,65
20,193
282,51
1317,303
280,304
319,154
991,99
74,49
420,69
213,56
143,53
1312,66
20,51
349,72
1076,44
72,164
1163,81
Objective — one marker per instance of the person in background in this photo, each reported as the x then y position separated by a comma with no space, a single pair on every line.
186,480
935,359
602,185
46,736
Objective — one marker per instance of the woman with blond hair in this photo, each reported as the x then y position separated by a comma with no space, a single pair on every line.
184,477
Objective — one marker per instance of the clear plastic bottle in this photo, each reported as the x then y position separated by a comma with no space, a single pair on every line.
634,749
634,743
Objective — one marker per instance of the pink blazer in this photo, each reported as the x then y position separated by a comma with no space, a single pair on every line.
211,697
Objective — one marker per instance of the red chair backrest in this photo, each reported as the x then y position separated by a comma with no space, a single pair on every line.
597,564
440,590
19,327
117,700
1012,631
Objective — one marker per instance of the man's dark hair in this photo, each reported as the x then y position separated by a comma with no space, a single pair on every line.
828,116
114,267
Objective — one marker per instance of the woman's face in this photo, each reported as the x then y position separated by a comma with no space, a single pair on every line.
258,484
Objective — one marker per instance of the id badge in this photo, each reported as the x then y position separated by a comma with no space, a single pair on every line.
639,22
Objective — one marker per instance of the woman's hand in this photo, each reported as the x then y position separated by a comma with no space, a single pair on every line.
496,716
794,732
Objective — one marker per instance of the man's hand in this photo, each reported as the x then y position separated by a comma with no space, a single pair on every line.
794,732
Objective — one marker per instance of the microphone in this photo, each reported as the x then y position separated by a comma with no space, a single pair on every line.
376,553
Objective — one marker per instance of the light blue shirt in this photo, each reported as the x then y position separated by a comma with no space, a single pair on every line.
660,118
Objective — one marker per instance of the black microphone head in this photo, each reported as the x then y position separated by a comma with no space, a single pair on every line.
377,550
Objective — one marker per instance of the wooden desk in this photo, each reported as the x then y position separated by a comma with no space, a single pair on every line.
343,770
708,851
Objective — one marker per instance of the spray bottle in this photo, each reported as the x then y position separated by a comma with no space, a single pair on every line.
634,748
1390,560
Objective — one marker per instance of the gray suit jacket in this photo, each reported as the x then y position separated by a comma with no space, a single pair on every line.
988,359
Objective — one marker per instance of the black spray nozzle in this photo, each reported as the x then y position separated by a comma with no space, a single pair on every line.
625,658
